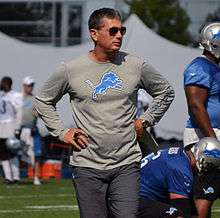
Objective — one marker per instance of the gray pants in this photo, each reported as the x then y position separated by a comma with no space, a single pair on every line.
107,193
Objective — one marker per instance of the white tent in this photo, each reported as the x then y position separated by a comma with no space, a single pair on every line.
18,59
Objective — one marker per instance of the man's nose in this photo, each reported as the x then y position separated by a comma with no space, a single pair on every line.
119,35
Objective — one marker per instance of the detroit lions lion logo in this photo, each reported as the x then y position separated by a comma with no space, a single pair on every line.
171,211
209,190
109,80
216,35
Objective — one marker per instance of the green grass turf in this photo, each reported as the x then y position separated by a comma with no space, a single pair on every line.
29,201
216,209
52,199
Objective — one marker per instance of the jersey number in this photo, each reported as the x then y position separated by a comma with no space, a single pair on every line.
150,157
2,107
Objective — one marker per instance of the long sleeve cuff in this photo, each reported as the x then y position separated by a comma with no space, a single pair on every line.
62,134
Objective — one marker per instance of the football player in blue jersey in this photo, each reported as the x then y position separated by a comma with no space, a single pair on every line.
166,184
202,89
206,187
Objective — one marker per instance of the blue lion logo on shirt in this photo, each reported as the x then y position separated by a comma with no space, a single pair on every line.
109,80
209,190
171,211
216,35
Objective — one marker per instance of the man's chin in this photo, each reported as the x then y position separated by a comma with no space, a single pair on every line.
116,48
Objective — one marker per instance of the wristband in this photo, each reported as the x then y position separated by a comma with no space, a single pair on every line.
145,124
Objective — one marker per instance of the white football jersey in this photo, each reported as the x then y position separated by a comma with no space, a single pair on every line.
10,113
10,107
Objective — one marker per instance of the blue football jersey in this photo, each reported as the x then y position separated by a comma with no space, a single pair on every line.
168,171
206,74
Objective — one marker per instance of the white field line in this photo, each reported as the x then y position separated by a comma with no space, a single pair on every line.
35,196
52,207
43,208
215,209
20,186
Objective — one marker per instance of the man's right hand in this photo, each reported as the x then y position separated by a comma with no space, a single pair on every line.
77,138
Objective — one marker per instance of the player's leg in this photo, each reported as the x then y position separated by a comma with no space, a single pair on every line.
26,136
7,171
14,163
124,192
206,189
37,150
203,207
182,203
36,172
5,156
155,209
91,187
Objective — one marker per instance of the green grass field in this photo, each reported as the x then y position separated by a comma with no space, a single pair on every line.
52,199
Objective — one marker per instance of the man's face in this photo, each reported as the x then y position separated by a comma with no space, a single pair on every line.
28,89
3,85
109,36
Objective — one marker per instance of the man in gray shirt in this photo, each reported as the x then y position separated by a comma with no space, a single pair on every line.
103,86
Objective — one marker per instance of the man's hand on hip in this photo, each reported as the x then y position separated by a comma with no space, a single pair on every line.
77,138
139,127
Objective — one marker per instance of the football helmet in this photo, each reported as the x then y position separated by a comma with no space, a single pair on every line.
210,38
207,153
14,144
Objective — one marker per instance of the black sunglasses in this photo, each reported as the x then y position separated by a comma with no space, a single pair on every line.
114,30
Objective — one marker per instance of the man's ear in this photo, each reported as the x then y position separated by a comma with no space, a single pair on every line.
93,34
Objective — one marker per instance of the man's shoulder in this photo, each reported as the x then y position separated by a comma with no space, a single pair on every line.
72,64
14,97
15,94
196,68
200,63
82,59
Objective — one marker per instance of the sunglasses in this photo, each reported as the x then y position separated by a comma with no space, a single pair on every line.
114,30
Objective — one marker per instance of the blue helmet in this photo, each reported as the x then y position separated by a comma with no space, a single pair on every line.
15,145
207,153
210,39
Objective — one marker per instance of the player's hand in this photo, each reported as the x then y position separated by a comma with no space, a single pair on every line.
139,128
77,138
17,133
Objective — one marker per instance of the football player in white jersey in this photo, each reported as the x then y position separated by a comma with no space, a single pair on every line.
10,119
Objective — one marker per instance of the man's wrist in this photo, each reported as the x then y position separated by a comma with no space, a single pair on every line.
145,124
62,135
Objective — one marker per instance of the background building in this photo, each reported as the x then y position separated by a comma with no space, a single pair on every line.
51,22
64,22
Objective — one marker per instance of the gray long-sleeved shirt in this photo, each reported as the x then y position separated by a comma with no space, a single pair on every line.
103,99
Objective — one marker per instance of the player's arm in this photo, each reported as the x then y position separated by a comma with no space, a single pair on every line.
182,203
196,99
161,91
179,180
45,107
